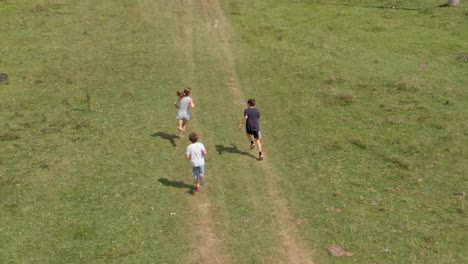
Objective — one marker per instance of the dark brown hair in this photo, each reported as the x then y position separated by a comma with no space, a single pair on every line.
187,91
251,102
193,137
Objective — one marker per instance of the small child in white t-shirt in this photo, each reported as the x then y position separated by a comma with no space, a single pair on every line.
196,153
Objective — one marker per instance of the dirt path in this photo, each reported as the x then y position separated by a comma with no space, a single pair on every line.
221,32
183,12
205,246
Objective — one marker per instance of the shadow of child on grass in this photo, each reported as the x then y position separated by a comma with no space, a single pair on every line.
166,136
232,149
177,184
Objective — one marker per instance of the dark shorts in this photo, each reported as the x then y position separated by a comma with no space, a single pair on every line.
255,134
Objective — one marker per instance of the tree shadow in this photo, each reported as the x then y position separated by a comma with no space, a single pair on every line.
177,184
166,136
387,7
232,149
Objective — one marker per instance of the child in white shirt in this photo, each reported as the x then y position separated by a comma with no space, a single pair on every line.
196,153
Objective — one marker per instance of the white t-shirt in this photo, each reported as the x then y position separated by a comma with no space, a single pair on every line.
195,150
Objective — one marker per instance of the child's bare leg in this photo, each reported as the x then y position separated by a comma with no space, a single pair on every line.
202,179
179,125
181,128
197,183
259,144
251,140
184,124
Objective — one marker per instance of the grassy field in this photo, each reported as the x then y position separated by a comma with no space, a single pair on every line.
364,116
368,110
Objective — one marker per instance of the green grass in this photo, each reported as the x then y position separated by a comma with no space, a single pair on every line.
369,118
81,186
363,107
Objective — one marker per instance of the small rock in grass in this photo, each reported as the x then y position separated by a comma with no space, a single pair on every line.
3,78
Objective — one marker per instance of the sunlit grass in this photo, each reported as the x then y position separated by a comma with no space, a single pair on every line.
369,141
363,115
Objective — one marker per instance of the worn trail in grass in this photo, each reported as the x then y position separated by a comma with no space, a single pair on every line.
205,245
262,198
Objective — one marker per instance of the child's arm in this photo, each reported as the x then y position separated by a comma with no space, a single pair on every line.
192,104
244,120
203,150
188,156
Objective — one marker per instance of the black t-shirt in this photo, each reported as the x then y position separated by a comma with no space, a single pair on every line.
253,116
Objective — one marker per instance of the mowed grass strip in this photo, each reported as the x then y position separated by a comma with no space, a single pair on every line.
364,109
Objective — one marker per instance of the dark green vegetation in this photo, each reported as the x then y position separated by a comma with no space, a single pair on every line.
364,112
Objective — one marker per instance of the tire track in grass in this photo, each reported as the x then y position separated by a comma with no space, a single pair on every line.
292,247
205,244
183,35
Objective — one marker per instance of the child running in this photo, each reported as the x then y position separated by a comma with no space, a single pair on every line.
183,111
196,153
252,126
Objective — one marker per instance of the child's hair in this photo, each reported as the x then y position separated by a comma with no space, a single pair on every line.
180,93
251,102
187,91
193,137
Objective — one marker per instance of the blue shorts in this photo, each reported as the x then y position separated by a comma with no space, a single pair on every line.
198,172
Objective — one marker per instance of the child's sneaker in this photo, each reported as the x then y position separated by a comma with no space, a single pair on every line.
197,188
252,146
260,156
